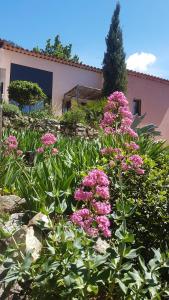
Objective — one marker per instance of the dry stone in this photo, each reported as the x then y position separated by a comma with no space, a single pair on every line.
11,203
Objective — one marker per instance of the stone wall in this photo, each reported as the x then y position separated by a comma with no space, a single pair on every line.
47,125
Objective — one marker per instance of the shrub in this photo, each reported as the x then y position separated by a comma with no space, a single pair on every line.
25,92
74,116
94,112
91,114
10,109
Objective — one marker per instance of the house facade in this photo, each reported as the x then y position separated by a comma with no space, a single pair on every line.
146,94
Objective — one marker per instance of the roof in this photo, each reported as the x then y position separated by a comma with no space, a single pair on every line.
147,76
8,46
84,92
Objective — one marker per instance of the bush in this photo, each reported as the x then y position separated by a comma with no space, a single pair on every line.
74,116
25,92
10,110
91,114
94,112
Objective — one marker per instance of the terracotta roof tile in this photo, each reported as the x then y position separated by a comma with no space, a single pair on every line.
147,76
8,46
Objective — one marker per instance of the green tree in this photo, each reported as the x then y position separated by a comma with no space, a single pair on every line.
58,49
114,66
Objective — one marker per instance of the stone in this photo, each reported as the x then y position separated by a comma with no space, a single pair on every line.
14,226
11,203
33,242
39,218
27,238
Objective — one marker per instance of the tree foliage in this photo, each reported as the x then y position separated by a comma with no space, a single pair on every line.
58,49
114,66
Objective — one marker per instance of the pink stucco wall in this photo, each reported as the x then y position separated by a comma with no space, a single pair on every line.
154,97
154,93
65,77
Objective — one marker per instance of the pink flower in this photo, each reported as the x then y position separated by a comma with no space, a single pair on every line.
107,232
40,150
119,157
55,151
136,161
93,232
12,143
132,133
11,139
109,118
103,192
84,212
140,171
132,146
110,106
101,208
103,225
117,150
118,97
81,195
19,152
125,113
126,122
48,139
103,221
76,219
12,146
106,151
109,130
95,177
125,166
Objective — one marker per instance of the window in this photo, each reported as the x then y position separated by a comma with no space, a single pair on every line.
1,88
137,107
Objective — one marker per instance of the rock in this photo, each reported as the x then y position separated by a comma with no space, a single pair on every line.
11,203
14,226
14,223
27,238
33,242
39,218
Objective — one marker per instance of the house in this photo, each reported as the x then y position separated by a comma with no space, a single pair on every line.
62,80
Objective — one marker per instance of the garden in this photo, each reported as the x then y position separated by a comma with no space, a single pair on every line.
94,222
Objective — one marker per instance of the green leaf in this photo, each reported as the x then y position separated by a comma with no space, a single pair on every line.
122,286
92,289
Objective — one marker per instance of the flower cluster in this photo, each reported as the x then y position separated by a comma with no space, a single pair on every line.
94,192
48,140
11,146
117,120
127,158
117,117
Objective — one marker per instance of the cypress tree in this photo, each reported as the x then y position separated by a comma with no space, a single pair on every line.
114,66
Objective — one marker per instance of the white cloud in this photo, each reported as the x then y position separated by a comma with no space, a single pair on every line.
140,61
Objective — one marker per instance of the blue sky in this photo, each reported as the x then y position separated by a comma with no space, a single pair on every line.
85,23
